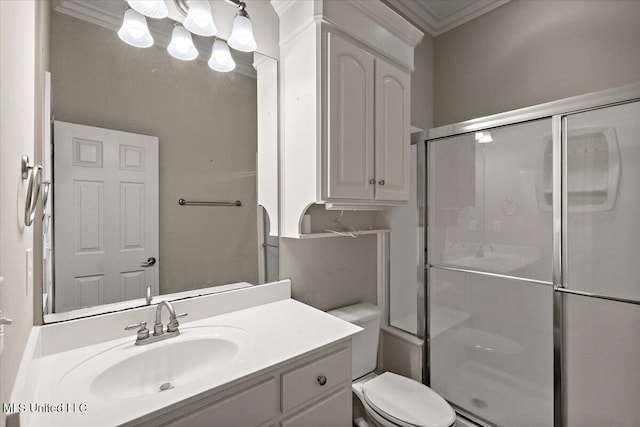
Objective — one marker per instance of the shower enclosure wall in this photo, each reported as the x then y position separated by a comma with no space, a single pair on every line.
532,277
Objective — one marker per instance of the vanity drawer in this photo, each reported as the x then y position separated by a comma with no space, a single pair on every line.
252,406
310,380
333,411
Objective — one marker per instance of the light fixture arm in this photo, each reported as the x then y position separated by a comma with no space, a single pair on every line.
238,3
241,8
183,6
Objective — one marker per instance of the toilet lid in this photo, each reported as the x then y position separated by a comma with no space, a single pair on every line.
407,402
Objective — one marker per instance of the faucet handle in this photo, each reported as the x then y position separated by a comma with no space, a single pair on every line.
136,325
143,332
173,324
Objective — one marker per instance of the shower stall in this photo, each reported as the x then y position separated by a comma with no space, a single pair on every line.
532,280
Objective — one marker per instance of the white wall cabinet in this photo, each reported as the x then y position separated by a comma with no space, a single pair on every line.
345,106
368,104
313,390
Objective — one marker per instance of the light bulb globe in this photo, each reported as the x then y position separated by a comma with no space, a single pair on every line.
181,45
134,30
152,8
199,19
221,59
242,35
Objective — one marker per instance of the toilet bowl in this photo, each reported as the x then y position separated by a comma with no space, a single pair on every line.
390,400
393,400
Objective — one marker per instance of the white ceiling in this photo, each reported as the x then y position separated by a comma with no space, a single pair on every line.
436,17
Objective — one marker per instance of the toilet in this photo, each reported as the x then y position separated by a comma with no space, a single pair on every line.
390,400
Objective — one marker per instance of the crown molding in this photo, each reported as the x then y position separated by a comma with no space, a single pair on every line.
430,21
281,6
108,14
391,20
378,11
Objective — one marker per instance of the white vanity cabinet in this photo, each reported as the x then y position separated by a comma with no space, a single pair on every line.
345,90
312,390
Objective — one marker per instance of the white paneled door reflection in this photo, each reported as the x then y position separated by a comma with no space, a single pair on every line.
106,215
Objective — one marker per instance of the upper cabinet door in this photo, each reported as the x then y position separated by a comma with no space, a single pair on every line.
350,103
393,103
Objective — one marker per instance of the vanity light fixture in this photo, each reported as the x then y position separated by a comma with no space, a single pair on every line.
242,32
134,30
483,137
199,19
181,46
152,8
221,59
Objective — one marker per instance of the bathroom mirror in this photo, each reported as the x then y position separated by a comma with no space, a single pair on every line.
134,132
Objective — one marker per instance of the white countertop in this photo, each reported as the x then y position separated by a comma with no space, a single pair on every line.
280,331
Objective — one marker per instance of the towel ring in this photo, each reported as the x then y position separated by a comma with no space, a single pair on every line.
46,187
34,174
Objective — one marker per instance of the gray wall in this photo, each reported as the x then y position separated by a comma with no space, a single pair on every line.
331,272
528,52
206,125
422,84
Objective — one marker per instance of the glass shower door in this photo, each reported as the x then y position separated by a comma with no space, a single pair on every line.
601,347
490,258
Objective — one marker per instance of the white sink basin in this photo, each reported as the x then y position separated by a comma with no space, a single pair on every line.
127,371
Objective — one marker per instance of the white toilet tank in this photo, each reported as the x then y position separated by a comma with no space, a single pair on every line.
365,343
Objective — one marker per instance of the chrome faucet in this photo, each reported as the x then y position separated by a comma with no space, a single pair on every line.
159,333
172,325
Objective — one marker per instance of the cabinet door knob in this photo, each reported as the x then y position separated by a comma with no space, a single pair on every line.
322,380
372,181
381,182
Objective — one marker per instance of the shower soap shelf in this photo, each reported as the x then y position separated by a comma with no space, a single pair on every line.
593,171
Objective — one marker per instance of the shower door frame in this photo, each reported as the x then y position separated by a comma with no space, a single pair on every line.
557,111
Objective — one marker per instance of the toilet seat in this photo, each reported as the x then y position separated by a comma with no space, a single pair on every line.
406,402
